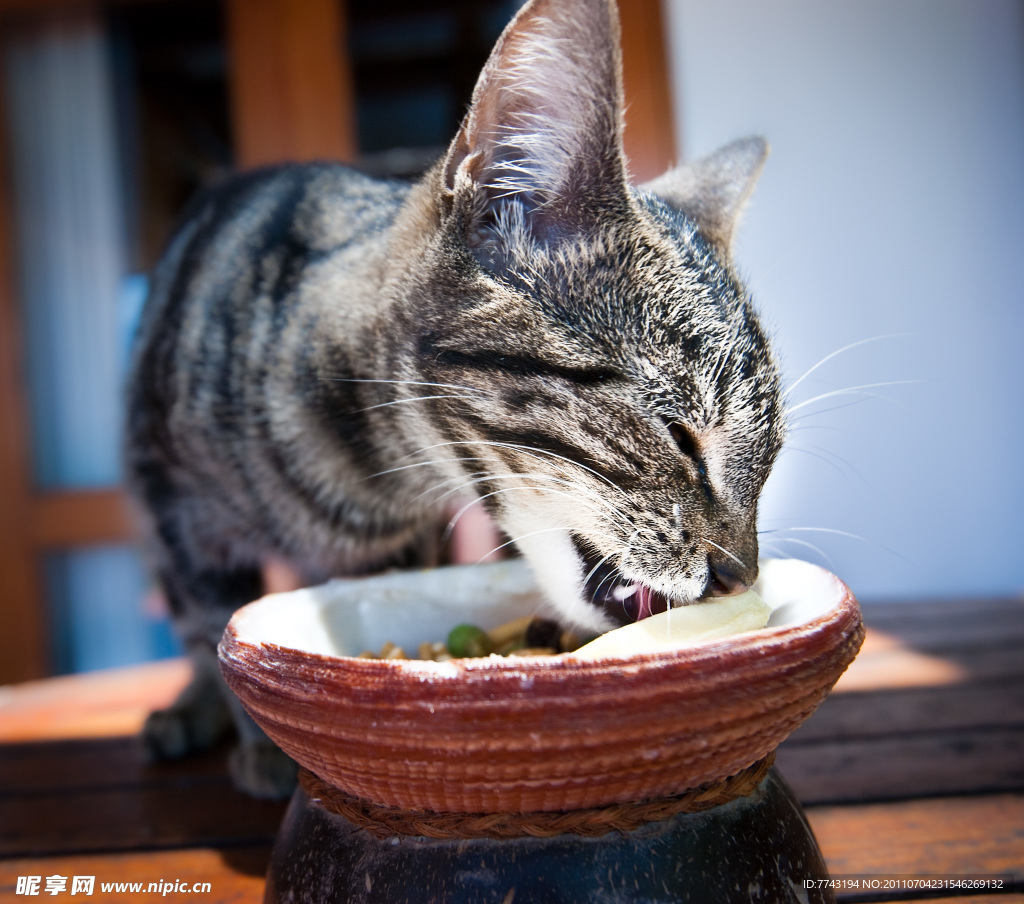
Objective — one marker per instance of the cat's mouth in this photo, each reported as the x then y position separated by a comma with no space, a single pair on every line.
621,599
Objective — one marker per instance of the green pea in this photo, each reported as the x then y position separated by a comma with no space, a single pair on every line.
468,641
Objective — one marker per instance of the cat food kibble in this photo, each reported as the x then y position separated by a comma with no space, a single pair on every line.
527,636
683,626
469,641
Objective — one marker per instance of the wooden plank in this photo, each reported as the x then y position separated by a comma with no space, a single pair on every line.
196,812
24,652
900,667
967,835
95,704
649,134
235,874
82,517
920,612
95,795
885,663
940,763
94,764
290,81
949,624
861,714
953,635
850,771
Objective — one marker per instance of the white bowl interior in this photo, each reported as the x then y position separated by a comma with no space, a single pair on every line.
345,617
798,592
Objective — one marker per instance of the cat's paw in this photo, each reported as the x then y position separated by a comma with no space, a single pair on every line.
180,730
260,769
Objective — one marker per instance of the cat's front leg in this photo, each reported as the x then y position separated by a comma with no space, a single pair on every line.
203,592
257,766
203,714
197,719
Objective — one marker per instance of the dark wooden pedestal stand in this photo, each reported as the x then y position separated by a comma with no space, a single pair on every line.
757,847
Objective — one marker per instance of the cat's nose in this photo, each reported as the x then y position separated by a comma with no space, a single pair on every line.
724,579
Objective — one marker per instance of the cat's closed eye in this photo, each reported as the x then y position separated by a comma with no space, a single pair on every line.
526,366
686,444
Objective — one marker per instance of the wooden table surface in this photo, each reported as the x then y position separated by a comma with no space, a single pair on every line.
913,768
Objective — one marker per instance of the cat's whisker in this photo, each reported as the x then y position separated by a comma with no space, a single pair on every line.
541,489
515,540
803,426
594,570
423,464
503,490
630,543
534,451
769,544
842,533
465,481
543,530
609,507
476,389
483,477
804,543
791,422
772,548
441,484
623,554
415,399
722,549
838,460
819,530
851,390
606,579
840,351
479,499
828,457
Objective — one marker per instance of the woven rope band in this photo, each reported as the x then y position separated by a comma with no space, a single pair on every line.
385,822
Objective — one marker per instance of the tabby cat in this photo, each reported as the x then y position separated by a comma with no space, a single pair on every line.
326,360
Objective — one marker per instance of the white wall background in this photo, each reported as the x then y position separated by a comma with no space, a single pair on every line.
892,206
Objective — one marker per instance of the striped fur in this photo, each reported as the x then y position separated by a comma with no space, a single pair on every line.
327,362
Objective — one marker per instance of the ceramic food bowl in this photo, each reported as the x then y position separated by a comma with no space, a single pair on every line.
522,734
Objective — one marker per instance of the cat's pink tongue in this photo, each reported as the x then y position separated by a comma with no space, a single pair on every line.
649,602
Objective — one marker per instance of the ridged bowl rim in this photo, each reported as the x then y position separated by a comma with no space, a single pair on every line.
517,734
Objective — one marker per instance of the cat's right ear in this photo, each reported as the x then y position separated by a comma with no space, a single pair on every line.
713,190
539,153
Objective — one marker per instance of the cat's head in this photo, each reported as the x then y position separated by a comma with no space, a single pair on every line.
616,402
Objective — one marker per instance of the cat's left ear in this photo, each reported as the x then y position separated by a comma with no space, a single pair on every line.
713,190
541,145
